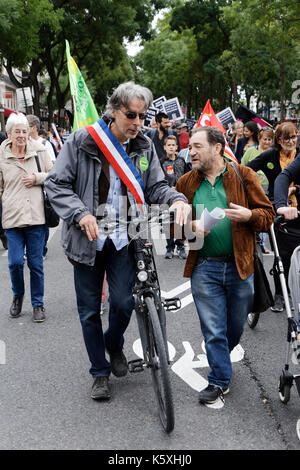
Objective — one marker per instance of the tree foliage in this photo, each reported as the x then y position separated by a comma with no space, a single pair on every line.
202,48
242,46
34,33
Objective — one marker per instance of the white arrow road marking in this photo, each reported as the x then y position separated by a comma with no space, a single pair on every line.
185,368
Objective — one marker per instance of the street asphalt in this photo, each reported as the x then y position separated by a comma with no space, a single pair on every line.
45,386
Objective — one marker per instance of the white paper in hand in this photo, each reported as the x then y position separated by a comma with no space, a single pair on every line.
209,219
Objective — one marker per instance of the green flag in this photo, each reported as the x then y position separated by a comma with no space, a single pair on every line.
85,112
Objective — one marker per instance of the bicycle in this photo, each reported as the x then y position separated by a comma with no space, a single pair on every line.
151,319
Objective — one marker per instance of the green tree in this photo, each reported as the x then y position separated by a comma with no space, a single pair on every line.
167,65
263,40
34,33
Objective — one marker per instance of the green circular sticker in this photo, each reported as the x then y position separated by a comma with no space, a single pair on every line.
270,165
144,164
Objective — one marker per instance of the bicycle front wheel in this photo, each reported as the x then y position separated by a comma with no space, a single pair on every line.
157,359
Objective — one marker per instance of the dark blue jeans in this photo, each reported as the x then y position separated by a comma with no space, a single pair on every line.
120,271
47,232
33,238
223,301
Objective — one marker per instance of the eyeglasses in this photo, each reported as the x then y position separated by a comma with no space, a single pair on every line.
289,138
133,115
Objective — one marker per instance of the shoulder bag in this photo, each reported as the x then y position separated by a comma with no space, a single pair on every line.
51,218
263,297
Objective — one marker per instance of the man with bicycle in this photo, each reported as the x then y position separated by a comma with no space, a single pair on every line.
221,271
100,171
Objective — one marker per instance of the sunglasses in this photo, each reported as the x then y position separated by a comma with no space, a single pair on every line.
133,115
291,137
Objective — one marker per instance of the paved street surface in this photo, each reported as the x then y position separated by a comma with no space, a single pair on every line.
45,384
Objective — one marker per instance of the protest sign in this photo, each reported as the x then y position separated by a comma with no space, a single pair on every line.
226,117
150,114
173,109
158,103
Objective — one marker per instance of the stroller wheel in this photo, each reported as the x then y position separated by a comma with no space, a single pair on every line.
252,319
284,389
285,394
298,428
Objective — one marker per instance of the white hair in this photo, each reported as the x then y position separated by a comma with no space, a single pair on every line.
15,119
123,95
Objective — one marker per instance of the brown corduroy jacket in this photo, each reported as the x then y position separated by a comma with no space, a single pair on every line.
242,233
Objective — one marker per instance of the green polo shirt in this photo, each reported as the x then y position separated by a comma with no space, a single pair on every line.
219,241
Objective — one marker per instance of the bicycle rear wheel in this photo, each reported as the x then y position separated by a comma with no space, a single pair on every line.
157,359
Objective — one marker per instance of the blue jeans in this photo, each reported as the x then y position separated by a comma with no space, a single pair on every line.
33,237
120,272
47,232
223,301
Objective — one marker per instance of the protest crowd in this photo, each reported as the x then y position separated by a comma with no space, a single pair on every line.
246,170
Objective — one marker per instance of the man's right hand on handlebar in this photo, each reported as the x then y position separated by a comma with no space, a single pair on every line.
289,213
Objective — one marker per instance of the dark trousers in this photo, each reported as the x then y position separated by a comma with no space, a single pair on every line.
171,243
120,271
286,242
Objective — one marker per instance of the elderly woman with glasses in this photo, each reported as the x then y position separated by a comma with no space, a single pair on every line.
23,216
272,163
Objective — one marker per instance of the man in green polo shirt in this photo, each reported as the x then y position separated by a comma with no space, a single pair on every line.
221,269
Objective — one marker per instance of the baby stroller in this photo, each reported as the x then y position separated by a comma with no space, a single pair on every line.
287,379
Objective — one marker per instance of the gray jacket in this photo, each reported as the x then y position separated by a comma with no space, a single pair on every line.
73,187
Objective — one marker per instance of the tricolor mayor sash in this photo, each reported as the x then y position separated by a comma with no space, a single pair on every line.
118,158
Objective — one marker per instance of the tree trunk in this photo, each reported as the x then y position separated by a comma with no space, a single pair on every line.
282,91
235,96
36,99
189,101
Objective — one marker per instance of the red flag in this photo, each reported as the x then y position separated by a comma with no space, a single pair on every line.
208,118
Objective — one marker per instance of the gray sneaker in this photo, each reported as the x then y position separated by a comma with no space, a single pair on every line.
181,253
278,304
169,254
100,389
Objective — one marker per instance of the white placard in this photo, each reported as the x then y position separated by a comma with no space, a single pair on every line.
173,109
24,97
226,117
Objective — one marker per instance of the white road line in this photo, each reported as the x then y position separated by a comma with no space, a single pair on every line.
186,301
177,290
